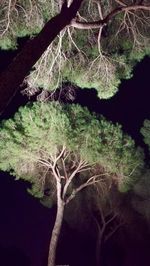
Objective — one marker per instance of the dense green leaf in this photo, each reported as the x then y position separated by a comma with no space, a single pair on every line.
40,130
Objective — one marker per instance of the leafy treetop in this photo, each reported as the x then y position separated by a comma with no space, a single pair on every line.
38,133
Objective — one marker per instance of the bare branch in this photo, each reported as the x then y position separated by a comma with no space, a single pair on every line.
91,181
8,19
106,19
113,231
70,178
64,168
59,156
120,2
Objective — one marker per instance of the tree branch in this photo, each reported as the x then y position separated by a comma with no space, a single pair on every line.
91,181
102,22
14,75
70,178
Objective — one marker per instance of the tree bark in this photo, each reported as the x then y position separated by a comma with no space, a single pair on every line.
57,227
103,22
14,75
98,249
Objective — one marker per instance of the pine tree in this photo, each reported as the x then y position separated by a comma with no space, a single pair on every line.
66,147
98,48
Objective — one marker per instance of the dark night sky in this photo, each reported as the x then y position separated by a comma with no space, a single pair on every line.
25,225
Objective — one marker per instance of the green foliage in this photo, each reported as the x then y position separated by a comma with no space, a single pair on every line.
86,75
127,42
77,56
145,131
39,131
23,18
8,43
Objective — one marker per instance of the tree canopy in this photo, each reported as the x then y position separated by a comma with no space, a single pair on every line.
38,133
98,48
66,148
15,73
145,131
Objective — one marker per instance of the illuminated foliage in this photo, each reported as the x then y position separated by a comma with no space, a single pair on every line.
98,49
37,133
145,131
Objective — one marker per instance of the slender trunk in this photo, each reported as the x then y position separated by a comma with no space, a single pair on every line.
57,227
99,242
99,248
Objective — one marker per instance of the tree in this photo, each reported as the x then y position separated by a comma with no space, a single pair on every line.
108,222
67,147
14,75
96,49
106,215
141,195
101,218
145,131
141,189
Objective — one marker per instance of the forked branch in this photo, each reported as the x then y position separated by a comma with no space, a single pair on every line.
102,22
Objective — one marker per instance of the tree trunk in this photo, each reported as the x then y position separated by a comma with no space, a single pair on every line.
57,227
14,75
99,248
100,238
